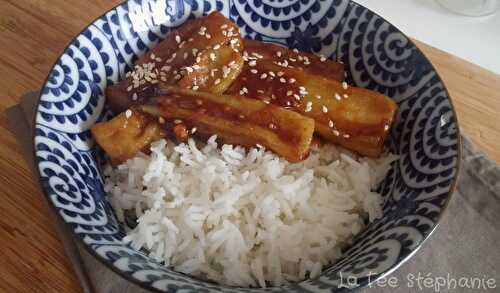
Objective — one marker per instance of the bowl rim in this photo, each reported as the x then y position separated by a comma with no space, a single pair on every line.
79,240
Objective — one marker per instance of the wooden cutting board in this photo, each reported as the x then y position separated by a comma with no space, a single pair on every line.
34,32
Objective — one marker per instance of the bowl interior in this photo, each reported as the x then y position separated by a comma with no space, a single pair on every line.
377,56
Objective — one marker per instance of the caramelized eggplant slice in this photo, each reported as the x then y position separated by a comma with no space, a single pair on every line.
355,118
292,58
175,58
127,134
238,120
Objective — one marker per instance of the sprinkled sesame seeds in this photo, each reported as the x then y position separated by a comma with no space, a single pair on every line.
280,73
345,85
330,123
216,47
292,80
282,80
263,76
178,39
128,113
233,41
295,50
225,71
346,96
257,55
324,109
202,30
208,36
217,81
177,121
297,97
129,88
193,130
278,53
241,116
134,97
338,97
272,74
161,120
289,93
318,97
336,132
272,126
224,26
266,102
260,91
252,63
243,91
322,58
254,71
195,87
194,51
212,56
152,56
386,127
177,77
273,97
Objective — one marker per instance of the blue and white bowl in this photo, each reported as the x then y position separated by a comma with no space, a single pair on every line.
377,56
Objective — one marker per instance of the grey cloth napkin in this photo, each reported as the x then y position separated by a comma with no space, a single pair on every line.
463,255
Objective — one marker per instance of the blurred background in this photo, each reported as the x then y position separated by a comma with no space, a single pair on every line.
469,29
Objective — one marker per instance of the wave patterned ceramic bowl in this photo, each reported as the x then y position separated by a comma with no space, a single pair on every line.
377,56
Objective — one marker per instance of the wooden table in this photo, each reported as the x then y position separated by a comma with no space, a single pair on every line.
34,32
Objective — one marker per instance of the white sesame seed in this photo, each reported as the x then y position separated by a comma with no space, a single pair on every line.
212,56
345,85
185,55
346,96
336,132
152,56
260,91
193,130
224,26
278,53
158,59
161,120
273,97
178,39
322,58
289,93
330,123
177,121
189,69
346,135
263,76
128,113
272,126
325,109
259,146
194,51
134,97
254,71
282,80
338,97
252,63
233,41
297,97
318,97
208,36
272,74
177,77
190,39
216,47
292,80
295,50
266,102
309,106
280,73
195,87
129,88
386,127
217,81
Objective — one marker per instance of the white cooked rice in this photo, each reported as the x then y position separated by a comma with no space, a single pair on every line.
245,218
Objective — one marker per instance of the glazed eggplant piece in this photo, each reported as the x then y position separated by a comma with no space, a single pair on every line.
237,120
192,56
355,118
127,134
292,58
